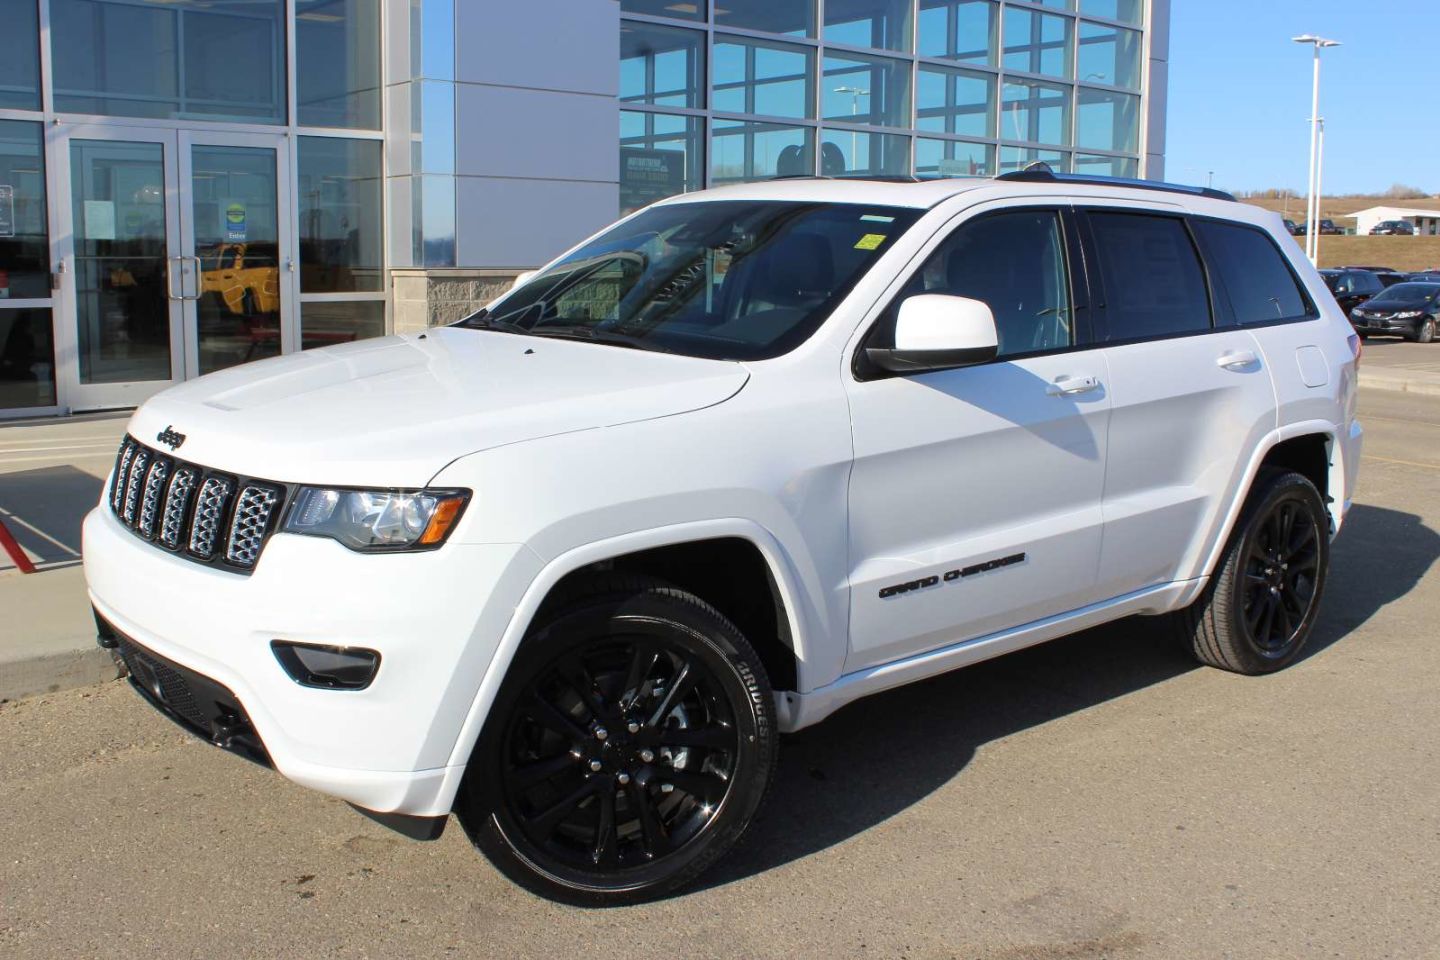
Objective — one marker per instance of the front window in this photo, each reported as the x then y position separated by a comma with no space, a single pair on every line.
726,280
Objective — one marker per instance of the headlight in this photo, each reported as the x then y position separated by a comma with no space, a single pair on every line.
377,519
1408,314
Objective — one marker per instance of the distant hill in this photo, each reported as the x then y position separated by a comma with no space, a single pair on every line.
1337,207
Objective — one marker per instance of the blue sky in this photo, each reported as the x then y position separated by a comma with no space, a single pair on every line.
1240,93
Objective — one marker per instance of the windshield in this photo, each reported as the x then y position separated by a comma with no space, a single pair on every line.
725,280
1407,293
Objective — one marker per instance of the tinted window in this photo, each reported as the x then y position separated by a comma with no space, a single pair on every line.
1015,262
1253,274
1153,285
1367,283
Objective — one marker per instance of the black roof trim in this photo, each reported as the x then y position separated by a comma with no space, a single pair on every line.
1044,173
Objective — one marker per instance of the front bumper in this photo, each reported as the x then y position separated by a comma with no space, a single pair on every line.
1386,326
434,617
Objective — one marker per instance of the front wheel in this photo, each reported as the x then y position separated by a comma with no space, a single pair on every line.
1426,331
630,746
1260,605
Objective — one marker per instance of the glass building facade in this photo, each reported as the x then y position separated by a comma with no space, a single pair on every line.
186,185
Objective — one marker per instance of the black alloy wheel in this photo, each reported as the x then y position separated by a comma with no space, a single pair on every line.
1425,332
1261,603
630,746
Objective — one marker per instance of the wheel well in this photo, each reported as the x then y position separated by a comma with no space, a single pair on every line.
1308,455
731,575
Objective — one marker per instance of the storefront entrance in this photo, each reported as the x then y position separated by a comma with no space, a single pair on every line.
179,259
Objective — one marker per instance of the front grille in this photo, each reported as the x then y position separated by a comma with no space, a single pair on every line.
202,515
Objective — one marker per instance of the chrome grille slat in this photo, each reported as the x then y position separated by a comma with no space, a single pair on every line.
132,485
122,471
210,506
177,506
150,498
253,510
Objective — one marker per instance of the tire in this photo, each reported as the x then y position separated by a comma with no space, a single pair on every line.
1425,333
630,746
1261,603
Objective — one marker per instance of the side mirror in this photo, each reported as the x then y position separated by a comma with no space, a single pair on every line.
938,332
522,278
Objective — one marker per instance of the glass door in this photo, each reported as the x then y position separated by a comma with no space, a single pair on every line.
121,274
236,237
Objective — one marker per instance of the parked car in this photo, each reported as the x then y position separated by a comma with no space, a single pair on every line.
1409,310
568,567
1325,227
1393,228
1371,267
1390,279
1351,287
1425,276
1292,228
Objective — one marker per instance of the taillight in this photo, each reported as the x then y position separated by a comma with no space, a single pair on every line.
1357,347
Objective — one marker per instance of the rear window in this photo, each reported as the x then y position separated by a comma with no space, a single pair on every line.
1253,275
1153,282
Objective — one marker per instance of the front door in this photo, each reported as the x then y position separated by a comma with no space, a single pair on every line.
176,260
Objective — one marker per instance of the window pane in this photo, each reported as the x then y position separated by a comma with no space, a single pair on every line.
1107,166
1108,121
1037,42
1109,55
958,30
19,55
123,59
955,101
851,152
755,151
793,17
1254,275
951,158
1154,286
1036,112
1018,158
1130,11
883,24
340,233
324,324
861,89
433,225
755,77
24,234
337,63
660,156
679,9
661,65
27,359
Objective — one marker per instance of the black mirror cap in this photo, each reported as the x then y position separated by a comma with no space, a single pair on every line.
925,361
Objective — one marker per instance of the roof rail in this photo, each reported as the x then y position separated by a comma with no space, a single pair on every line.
1041,172
874,177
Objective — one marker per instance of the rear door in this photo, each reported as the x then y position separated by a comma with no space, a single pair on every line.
1190,398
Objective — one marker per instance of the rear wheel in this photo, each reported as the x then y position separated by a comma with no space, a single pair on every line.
630,746
1260,606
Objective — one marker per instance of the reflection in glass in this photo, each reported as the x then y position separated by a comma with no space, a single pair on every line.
953,158
1037,42
1107,166
664,66
24,237
337,63
862,89
434,226
1129,11
955,101
1018,158
1035,111
793,17
853,153
325,323
340,225
755,151
679,9
756,77
958,30
432,121
19,55
432,39
196,59
882,24
1107,121
660,156
122,312
27,359
1109,55
238,242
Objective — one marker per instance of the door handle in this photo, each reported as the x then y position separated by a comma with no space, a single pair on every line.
1070,386
169,286
1236,359
170,279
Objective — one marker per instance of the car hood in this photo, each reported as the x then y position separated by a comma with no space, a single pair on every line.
394,411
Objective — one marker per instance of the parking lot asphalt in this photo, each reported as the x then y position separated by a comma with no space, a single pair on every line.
1100,796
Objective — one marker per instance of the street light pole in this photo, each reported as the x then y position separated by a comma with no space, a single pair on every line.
855,94
1312,210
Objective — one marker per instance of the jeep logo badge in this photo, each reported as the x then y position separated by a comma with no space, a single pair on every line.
170,438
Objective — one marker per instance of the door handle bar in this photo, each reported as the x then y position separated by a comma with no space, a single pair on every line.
169,282
1070,386
1236,359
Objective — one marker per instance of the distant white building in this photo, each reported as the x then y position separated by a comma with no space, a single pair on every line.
1425,222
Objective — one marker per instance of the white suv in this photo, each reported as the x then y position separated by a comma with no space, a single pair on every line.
568,568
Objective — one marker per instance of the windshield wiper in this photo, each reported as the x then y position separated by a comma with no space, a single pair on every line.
483,321
580,331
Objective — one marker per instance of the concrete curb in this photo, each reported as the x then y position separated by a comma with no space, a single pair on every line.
1415,382
47,673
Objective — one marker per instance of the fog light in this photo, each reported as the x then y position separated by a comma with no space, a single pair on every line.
333,668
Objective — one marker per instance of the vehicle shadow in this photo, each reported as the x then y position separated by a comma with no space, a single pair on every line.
44,510
875,758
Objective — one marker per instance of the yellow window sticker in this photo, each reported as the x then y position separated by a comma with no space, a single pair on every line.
871,241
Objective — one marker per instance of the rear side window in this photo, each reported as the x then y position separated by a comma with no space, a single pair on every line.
1258,283
1153,284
